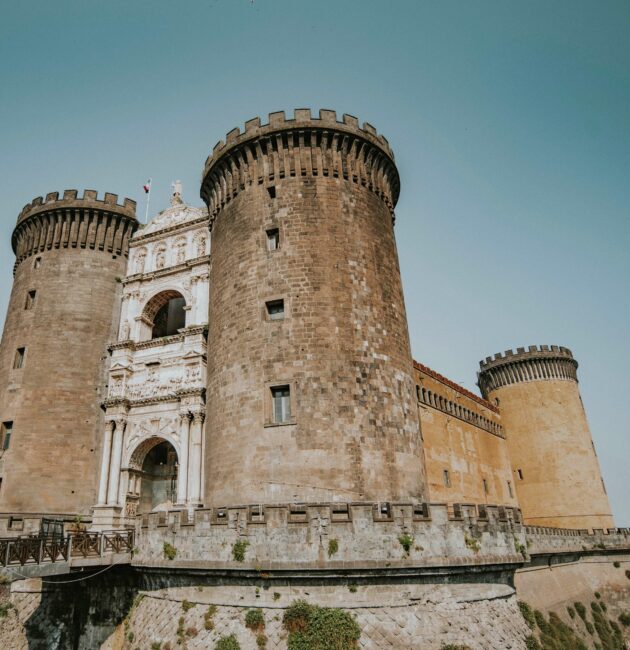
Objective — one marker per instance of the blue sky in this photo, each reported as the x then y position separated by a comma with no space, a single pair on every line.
510,122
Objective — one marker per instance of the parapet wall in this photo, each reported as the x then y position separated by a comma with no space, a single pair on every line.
542,540
333,536
72,222
537,363
302,146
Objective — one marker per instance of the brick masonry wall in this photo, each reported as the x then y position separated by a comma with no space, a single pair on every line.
53,461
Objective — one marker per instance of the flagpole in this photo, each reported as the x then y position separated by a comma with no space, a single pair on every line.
146,214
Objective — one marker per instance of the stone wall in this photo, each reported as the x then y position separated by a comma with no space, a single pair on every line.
464,443
364,536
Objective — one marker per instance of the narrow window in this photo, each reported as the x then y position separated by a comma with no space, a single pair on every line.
485,486
281,403
19,358
37,263
520,474
273,239
447,478
30,299
275,309
510,489
418,392
272,191
5,434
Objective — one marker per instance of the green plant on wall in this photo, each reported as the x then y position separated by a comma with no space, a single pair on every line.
255,620
406,541
239,549
228,643
472,543
320,628
333,547
169,551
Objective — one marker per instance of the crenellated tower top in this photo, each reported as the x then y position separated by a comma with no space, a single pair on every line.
302,146
73,222
537,363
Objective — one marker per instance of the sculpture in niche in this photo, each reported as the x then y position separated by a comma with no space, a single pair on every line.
140,260
125,331
201,245
180,248
160,258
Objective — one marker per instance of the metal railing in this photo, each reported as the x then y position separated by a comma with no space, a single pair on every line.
39,549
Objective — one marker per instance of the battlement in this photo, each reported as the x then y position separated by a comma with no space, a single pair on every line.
544,362
70,199
74,222
302,146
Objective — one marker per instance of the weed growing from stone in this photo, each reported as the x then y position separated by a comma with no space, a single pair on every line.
4,609
628,574
527,613
192,632
520,548
616,564
352,589
472,544
156,645
276,595
186,605
208,621
228,643
571,612
589,627
598,595
239,549
169,551
624,619
406,541
333,547
255,620
261,641
581,610
130,637
531,643
320,628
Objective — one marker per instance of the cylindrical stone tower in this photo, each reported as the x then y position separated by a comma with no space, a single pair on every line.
70,256
310,387
556,470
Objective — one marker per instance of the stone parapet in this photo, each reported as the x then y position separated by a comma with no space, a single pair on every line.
332,536
537,363
543,540
302,146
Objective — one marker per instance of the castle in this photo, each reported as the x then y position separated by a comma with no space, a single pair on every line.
251,357
137,371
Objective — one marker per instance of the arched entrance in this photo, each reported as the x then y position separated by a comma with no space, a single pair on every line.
153,472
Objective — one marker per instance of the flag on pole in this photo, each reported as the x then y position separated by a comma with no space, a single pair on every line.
147,186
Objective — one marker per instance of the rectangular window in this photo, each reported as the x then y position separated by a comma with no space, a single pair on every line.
18,362
281,404
30,299
275,309
447,478
510,489
520,474
6,429
485,486
272,191
37,263
273,239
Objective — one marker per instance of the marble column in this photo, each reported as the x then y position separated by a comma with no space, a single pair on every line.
194,473
105,461
114,473
182,477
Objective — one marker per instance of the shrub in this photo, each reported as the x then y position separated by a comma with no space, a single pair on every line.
531,643
598,595
156,645
352,589
473,544
186,605
208,623
239,549
276,595
4,609
406,541
130,637
603,607
616,564
581,610
255,620
169,551
595,606
624,619
227,643
527,613
320,628
333,547
571,612
589,627
261,641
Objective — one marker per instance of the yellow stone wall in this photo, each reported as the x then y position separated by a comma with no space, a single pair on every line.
463,435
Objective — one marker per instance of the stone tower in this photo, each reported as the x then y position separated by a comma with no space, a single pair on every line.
556,471
70,254
310,394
